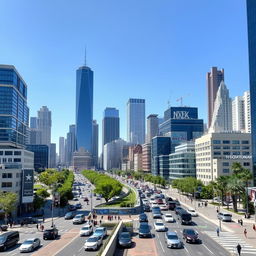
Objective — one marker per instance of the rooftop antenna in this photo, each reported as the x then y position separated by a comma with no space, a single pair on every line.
85,56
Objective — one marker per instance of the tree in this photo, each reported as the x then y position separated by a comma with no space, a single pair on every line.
38,202
221,186
42,192
8,202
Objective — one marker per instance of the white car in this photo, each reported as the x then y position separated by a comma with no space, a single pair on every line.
168,217
159,226
154,205
30,245
164,207
93,243
192,212
86,230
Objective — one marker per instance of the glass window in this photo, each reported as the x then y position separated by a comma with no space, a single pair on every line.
225,164
226,153
246,153
8,153
226,142
216,142
236,153
6,184
246,164
245,141
235,142
216,147
17,153
225,170
245,147
1,153
216,153
226,147
17,160
236,147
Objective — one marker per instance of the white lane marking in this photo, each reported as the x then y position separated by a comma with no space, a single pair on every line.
162,247
80,249
208,249
186,250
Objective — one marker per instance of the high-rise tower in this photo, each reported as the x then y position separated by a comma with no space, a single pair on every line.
152,127
45,125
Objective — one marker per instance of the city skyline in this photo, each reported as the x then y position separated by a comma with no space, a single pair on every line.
158,63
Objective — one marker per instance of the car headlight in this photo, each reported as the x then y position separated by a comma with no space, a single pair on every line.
189,238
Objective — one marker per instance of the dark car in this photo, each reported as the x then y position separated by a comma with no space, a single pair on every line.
146,208
8,240
144,230
50,233
177,208
70,215
191,236
71,207
143,217
78,206
142,196
86,199
125,240
29,220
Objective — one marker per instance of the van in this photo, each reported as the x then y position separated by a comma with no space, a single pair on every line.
184,217
225,216
9,239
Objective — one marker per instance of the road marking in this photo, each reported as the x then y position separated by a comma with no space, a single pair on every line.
162,247
186,250
80,249
208,249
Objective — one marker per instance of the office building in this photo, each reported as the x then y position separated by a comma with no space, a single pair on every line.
33,123
14,112
53,163
163,162
152,127
238,122
213,80
160,146
137,158
216,152
251,20
41,156
182,163
71,144
146,157
110,125
222,114
84,108
247,111
44,118
35,136
136,121
82,160
61,151
95,144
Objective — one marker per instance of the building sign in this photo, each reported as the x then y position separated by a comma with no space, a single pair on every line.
27,186
180,115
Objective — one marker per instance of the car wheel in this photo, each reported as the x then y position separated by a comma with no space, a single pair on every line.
5,248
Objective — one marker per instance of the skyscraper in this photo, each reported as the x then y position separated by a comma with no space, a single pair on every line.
95,144
213,80
238,122
52,155
110,125
136,121
152,127
71,144
33,122
61,150
251,20
45,125
84,108
222,114
14,112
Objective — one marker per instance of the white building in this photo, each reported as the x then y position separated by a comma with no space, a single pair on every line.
247,111
216,152
61,150
222,114
45,125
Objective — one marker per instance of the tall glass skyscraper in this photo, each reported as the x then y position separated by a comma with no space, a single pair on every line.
84,108
136,121
14,112
251,20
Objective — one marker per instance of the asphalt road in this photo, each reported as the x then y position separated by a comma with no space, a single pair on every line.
61,224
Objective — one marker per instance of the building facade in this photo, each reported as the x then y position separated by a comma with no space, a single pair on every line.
146,157
71,144
53,162
137,158
136,121
216,152
213,80
84,108
238,111
152,127
62,151
95,144
82,160
45,125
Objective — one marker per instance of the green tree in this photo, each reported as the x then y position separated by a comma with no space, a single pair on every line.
38,202
42,192
8,202
220,185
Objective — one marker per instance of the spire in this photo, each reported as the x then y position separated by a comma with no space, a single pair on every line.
85,56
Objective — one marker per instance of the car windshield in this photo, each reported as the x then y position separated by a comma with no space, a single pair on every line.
192,210
159,224
2,239
168,215
227,215
172,237
85,228
190,232
125,236
92,239
28,242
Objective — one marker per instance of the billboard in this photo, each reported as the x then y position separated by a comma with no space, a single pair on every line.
27,186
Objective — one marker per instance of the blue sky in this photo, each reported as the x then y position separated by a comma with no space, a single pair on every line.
159,50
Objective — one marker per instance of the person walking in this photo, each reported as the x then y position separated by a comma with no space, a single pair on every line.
254,227
37,226
245,232
218,231
239,248
241,222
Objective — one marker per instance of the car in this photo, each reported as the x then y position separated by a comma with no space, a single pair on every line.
98,198
225,216
144,230
29,220
79,219
75,199
159,226
168,217
100,231
145,201
50,233
86,230
78,206
192,212
30,245
143,217
178,208
164,207
125,240
86,199
69,215
154,205
8,239
172,240
142,196
93,243
190,236
71,207
156,212
146,208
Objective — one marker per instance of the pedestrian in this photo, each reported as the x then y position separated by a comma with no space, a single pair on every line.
245,233
217,210
101,216
198,204
218,231
241,222
100,222
239,248
254,227
115,217
37,226
43,218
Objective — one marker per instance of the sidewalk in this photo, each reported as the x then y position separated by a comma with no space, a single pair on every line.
210,214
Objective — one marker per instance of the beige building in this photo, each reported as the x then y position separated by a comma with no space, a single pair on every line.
216,152
146,157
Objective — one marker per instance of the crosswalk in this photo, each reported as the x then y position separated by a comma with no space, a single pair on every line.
229,241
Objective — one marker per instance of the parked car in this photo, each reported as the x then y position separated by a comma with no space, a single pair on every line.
143,217
192,212
79,219
144,230
168,217
100,231
93,243
51,233
29,220
29,245
69,215
191,236
172,240
125,240
9,239
159,226
71,207
225,216
86,230
78,206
